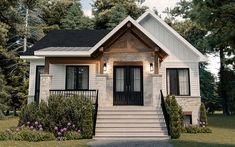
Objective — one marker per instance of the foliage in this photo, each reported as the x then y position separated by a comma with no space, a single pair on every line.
72,135
5,136
61,115
30,135
203,116
175,119
193,129
108,13
220,34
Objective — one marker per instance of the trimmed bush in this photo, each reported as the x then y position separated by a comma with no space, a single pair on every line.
87,122
72,135
175,118
28,113
29,135
203,116
196,129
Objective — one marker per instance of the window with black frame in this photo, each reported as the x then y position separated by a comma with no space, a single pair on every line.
178,82
77,77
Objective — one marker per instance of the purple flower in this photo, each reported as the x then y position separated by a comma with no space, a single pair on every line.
68,124
40,126
73,126
56,128
59,133
31,127
62,130
41,129
79,131
65,129
28,123
36,123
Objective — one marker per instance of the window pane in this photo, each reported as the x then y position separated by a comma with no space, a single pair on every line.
187,120
83,77
172,82
119,79
71,78
136,79
183,82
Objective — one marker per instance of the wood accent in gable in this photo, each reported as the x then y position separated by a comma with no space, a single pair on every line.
128,63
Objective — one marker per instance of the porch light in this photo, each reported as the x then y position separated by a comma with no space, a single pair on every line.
151,66
105,67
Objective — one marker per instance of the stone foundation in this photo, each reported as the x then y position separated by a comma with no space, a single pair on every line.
101,85
190,103
157,86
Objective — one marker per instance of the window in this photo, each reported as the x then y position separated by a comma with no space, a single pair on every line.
178,81
77,77
39,71
187,120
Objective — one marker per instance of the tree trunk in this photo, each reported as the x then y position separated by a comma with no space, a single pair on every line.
222,85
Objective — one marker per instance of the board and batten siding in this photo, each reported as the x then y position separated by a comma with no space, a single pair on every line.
178,50
58,72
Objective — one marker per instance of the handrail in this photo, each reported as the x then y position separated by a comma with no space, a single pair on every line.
92,94
165,113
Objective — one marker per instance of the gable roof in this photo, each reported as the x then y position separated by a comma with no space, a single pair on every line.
171,30
120,25
75,40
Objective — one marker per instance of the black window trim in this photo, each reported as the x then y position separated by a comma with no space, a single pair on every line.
178,92
36,83
190,116
77,66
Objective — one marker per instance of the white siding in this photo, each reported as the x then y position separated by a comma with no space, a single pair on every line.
193,73
178,50
32,75
58,72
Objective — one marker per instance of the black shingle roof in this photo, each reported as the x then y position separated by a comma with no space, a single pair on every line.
68,38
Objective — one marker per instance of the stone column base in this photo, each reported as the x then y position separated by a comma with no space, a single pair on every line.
45,86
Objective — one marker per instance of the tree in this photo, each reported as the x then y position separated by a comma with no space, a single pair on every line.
217,18
105,12
75,19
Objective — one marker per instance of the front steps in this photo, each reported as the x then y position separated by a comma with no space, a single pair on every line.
130,122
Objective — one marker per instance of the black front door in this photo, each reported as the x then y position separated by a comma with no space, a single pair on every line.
128,85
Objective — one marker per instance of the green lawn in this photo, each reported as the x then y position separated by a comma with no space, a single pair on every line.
11,122
223,134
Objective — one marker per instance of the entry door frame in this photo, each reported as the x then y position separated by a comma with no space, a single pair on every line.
127,90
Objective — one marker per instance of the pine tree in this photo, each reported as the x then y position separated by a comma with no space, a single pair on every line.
203,116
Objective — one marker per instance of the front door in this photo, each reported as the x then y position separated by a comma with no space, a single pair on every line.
128,85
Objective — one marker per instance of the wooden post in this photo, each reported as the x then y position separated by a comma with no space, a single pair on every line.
156,61
46,68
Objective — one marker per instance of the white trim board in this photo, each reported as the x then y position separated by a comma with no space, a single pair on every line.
171,30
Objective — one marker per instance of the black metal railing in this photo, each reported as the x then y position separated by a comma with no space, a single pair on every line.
165,113
91,94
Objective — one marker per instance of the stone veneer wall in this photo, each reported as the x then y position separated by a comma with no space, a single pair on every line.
146,58
189,103
45,86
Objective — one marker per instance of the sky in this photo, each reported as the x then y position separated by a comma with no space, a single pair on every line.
160,6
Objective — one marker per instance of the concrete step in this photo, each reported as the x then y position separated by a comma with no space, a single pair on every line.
124,129
121,134
132,108
129,125
130,120
147,116
128,112
131,137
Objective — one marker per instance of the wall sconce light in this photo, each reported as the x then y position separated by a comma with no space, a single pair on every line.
151,66
105,67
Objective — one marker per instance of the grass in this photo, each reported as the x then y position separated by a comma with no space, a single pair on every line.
12,122
223,134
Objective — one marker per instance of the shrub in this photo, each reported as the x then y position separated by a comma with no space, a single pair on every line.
203,116
5,136
196,129
72,135
173,109
29,135
60,115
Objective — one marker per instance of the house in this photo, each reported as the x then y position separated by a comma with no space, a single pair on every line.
129,68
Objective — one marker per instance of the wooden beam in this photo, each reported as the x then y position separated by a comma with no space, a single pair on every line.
71,60
47,64
128,63
101,66
156,64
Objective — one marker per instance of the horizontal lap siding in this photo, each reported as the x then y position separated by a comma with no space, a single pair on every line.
58,72
193,71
